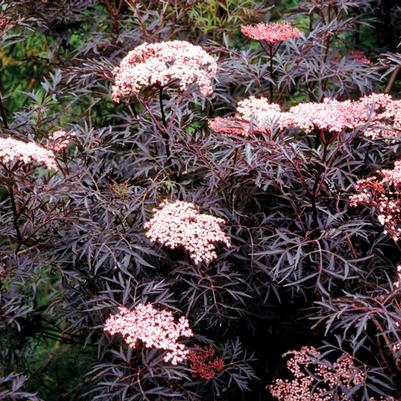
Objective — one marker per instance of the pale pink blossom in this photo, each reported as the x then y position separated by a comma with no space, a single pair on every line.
28,152
330,115
253,114
271,33
312,380
162,64
383,193
359,55
377,115
179,224
60,140
229,125
258,110
154,328
384,115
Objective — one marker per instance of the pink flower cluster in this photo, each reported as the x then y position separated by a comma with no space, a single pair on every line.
331,115
359,55
383,193
230,125
28,152
313,381
271,33
60,140
204,363
259,111
179,224
378,113
155,328
161,64
252,115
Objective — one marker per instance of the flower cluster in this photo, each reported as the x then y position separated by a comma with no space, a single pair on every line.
260,112
383,194
60,140
28,152
6,23
315,381
384,116
271,33
179,224
155,328
331,115
379,114
204,364
255,115
359,55
161,64
229,125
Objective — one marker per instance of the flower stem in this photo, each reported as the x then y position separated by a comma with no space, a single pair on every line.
271,73
165,134
15,216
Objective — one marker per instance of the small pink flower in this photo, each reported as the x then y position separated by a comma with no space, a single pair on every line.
271,33
162,64
383,194
313,381
60,140
253,114
179,224
359,55
28,152
229,125
155,328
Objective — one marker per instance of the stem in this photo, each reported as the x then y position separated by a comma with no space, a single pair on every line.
114,11
162,107
271,73
15,217
393,77
2,109
165,133
319,172
3,113
325,57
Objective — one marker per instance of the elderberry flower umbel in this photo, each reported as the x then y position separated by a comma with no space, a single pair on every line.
383,194
155,328
162,64
204,363
258,110
359,55
252,115
315,381
271,33
12,150
60,140
378,112
378,116
179,224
